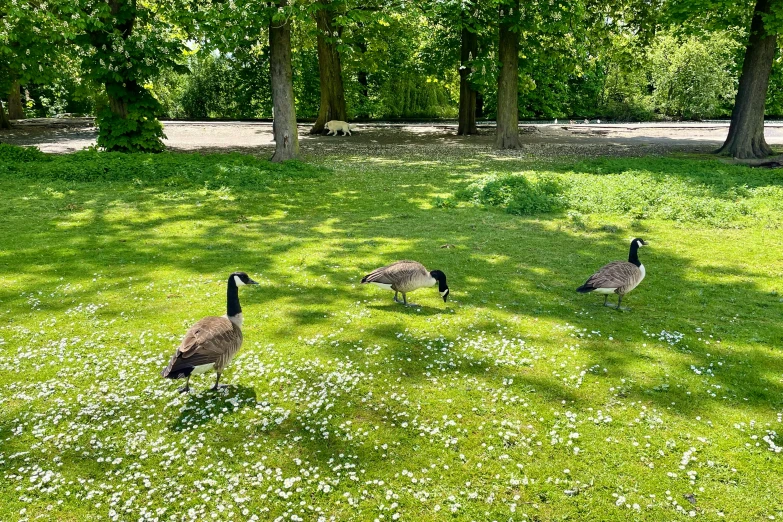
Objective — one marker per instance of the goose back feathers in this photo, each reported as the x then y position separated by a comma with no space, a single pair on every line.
617,277
209,344
407,276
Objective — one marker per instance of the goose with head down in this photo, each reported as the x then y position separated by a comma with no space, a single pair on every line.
406,276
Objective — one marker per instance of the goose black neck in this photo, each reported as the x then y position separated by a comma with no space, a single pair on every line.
232,299
633,255
440,277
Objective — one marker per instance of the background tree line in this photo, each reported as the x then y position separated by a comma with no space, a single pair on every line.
130,62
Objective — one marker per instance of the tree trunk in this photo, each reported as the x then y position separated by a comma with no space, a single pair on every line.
467,95
507,133
361,77
15,108
746,132
4,121
330,71
286,137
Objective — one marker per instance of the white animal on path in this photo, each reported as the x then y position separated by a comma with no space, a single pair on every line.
337,125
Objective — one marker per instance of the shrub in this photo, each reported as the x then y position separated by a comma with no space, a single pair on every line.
517,194
12,153
211,171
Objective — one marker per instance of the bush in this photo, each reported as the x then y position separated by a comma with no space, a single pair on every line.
708,192
693,77
211,171
12,153
517,194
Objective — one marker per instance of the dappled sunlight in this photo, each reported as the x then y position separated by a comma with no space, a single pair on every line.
513,380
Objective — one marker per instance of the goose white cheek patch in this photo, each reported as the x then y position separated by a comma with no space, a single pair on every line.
238,281
444,293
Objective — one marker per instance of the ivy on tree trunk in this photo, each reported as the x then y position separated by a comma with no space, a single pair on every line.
467,94
507,133
284,128
746,132
330,72
15,108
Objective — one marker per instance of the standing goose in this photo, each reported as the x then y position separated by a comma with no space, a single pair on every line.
211,343
618,277
407,276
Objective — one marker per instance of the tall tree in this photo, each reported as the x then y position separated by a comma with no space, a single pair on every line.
31,38
125,43
4,123
285,131
746,132
507,132
330,69
15,108
467,93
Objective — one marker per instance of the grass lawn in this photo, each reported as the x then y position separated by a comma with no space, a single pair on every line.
519,399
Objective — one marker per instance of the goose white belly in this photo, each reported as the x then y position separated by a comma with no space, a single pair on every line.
604,290
202,368
382,285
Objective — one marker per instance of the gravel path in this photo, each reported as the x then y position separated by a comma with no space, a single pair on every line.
69,135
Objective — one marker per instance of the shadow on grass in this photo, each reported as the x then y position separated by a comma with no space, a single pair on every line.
206,405
298,234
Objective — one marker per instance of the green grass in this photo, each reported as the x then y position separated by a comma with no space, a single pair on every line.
519,399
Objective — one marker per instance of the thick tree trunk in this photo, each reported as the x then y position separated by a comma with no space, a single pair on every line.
4,122
286,137
331,73
15,108
361,77
746,132
507,133
467,95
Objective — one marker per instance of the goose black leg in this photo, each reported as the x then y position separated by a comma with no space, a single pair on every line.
395,296
186,388
620,308
606,298
217,385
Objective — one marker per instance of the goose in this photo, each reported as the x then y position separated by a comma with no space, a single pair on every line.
618,277
407,276
211,343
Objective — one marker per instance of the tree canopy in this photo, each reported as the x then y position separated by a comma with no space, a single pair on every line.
146,59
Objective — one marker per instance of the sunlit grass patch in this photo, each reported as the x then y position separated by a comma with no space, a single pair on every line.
518,399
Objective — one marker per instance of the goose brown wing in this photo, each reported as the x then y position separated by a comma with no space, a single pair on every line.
204,343
395,272
614,275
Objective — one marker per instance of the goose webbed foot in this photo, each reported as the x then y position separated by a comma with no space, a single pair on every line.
218,386
186,388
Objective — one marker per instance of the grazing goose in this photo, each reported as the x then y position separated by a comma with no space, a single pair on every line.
618,277
211,343
407,276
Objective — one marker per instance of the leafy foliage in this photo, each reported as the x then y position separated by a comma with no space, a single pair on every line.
167,169
707,192
693,76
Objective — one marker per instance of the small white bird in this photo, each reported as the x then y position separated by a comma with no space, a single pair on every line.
587,121
555,121
598,121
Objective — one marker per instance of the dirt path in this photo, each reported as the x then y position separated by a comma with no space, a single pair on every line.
69,135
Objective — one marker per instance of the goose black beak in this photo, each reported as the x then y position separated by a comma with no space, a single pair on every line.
251,282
